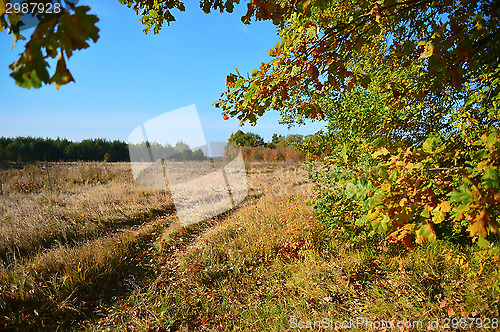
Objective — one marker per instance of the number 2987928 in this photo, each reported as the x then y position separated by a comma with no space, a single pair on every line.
32,7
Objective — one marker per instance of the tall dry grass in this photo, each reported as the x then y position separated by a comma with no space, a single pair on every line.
42,205
273,264
70,230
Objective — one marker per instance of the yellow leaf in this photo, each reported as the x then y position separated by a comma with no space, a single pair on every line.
438,216
428,50
445,206
380,152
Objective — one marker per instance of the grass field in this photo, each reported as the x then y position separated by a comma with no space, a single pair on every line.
83,248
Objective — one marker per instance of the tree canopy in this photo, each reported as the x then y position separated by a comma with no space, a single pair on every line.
246,139
419,58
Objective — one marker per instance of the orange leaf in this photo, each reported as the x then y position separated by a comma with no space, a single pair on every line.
375,11
480,225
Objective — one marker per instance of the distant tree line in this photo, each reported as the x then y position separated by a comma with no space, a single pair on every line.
277,141
263,153
30,149
181,151
254,148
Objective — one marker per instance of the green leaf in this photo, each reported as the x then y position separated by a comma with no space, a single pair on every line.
239,82
463,195
30,71
311,32
379,141
425,213
381,225
76,29
380,152
483,243
295,70
382,172
343,154
351,190
429,145
491,177
491,140
252,90
438,216
363,220
426,232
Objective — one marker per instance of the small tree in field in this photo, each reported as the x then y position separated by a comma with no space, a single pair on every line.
246,139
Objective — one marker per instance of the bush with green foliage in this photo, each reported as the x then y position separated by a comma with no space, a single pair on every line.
246,139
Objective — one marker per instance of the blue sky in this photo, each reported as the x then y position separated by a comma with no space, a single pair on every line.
128,77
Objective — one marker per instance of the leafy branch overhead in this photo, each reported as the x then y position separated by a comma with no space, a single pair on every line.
70,29
57,34
411,52
435,190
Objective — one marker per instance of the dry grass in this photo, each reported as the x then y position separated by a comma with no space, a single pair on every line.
67,226
64,227
41,206
278,178
272,263
258,267
65,284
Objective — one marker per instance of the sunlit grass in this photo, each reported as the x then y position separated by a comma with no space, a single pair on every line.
262,266
71,202
273,261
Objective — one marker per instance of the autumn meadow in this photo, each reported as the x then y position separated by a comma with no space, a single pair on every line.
84,248
367,196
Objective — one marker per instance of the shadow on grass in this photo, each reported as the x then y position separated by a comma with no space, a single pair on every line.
97,293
